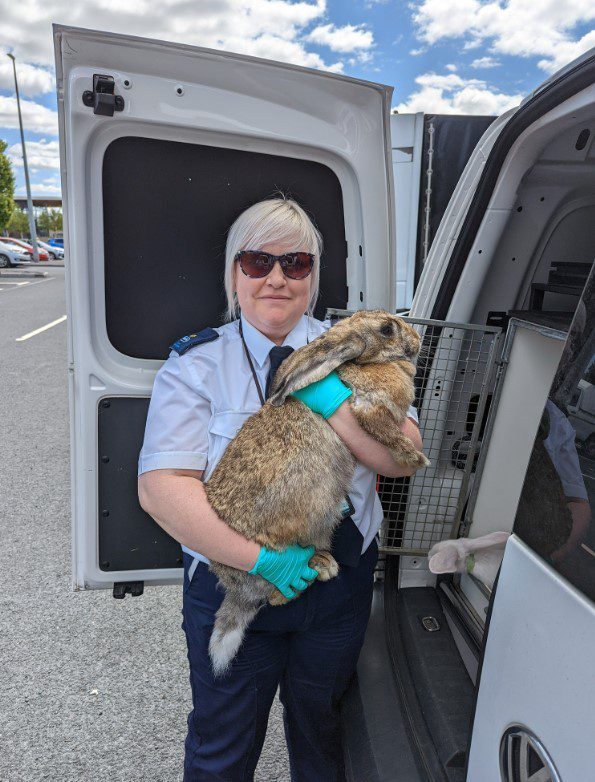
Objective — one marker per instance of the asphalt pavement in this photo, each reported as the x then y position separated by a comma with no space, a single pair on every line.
91,688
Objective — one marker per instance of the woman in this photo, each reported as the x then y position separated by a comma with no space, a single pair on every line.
202,395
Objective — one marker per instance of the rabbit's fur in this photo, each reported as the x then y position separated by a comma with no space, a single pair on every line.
284,476
450,556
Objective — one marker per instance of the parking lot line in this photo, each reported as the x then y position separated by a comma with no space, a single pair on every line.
43,328
27,283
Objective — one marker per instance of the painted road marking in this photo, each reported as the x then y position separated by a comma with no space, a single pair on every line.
16,288
43,328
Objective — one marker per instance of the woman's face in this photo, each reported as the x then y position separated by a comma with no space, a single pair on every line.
272,304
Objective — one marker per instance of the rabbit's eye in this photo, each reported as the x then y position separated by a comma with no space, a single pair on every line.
387,330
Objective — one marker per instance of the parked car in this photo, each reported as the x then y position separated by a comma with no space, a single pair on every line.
53,251
10,256
458,680
56,242
26,248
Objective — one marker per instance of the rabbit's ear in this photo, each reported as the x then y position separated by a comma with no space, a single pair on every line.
445,561
315,361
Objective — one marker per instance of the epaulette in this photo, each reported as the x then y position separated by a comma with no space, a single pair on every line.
192,340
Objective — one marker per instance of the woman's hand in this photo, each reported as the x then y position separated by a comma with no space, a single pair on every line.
324,396
288,570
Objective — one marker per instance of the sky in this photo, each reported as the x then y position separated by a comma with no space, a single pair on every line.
441,56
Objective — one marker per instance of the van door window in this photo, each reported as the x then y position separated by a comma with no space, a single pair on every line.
555,508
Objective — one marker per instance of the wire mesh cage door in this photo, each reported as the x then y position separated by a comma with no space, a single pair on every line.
454,381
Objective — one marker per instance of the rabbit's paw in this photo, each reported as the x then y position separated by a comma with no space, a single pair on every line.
325,564
423,460
410,458
277,598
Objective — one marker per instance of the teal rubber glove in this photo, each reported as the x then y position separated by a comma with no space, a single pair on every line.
288,569
324,396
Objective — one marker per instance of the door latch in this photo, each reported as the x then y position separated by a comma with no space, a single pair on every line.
101,98
135,588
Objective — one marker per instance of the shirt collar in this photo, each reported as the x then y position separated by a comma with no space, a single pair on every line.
260,346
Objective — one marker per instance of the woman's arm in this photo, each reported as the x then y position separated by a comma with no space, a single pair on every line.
368,450
176,499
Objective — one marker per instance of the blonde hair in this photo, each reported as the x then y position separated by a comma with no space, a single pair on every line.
275,220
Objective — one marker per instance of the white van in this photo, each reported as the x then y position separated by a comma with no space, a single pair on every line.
162,146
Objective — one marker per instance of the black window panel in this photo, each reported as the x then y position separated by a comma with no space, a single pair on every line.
454,139
167,209
554,516
128,537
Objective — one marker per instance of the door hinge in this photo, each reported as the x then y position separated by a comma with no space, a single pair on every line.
122,587
101,98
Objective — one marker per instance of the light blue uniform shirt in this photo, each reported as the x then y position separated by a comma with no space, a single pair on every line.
562,451
201,399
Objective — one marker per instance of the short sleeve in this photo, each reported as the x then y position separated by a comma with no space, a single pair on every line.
562,451
176,432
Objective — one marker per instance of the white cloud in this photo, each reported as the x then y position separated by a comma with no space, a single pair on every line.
567,51
451,67
485,62
40,155
260,27
342,39
36,118
523,28
450,94
32,80
46,187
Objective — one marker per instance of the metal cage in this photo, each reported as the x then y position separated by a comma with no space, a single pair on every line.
454,382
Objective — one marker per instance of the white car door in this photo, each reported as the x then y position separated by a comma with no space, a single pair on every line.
534,718
162,146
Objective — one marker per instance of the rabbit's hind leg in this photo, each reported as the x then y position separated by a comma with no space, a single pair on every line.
325,564
277,598
321,561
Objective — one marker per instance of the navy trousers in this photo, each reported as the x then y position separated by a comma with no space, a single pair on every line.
308,648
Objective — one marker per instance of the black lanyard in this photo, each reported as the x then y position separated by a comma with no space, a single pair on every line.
247,352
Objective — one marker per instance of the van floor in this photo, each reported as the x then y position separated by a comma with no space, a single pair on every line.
407,716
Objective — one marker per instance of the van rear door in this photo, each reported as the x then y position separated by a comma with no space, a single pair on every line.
162,146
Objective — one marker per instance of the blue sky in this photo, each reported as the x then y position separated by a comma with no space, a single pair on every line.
443,56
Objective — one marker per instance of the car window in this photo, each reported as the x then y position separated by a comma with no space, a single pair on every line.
554,515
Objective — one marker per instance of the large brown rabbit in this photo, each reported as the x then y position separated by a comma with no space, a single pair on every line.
283,478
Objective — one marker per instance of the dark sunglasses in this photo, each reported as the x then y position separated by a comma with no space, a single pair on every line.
255,263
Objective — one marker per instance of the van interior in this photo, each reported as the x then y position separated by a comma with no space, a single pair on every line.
530,260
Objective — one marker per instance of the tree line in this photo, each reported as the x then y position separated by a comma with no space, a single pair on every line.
13,219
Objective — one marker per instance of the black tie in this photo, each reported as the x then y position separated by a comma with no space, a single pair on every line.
277,355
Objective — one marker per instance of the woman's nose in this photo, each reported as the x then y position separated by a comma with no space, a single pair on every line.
276,276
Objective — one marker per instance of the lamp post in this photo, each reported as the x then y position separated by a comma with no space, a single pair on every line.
32,229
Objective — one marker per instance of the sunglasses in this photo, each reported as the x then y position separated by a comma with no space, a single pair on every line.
254,263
